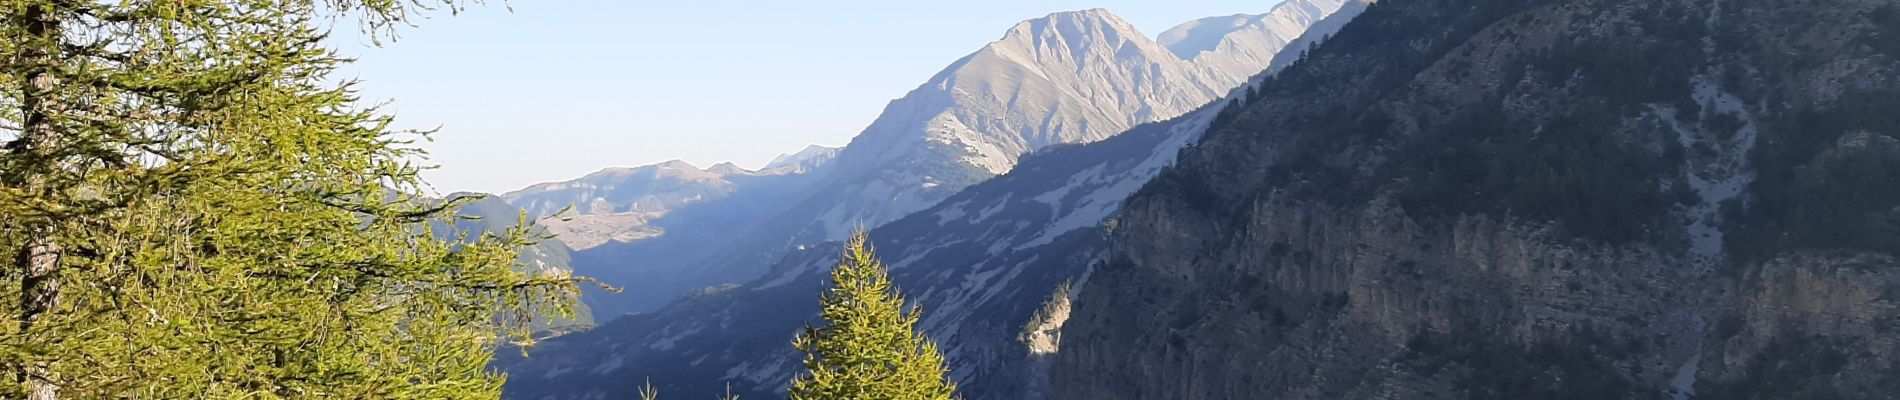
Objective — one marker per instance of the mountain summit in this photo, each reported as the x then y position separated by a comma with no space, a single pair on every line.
1525,199
982,259
1068,77
1065,78
1233,47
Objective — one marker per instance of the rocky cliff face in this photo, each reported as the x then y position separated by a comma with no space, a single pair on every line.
1807,326
1488,199
1329,302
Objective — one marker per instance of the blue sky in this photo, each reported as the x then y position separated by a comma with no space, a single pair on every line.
555,89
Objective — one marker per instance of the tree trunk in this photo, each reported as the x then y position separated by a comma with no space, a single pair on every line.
39,283
39,290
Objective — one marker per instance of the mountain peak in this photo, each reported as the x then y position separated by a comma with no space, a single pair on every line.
811,156
677,164
1067,77
1073,25
1092,13
726,168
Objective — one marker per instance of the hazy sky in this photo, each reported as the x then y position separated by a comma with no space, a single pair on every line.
559,88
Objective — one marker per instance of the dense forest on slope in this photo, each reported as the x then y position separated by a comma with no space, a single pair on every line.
1525,199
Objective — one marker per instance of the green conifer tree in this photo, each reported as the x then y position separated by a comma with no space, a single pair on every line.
868,349
191,206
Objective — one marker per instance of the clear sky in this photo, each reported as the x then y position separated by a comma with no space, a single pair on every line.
555,89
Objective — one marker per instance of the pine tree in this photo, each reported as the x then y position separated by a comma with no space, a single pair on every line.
194,208
868,350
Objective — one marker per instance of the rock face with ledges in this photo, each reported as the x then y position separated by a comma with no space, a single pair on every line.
1504,199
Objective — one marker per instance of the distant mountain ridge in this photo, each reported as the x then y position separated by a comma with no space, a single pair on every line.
1251,41
1069,77
1525,199
1192,38
620,204
638,227
811,157
980,262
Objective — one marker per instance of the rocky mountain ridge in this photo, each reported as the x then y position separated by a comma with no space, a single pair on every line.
1489,199
1071,77
981,263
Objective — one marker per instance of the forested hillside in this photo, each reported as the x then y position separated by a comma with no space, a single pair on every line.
1589,199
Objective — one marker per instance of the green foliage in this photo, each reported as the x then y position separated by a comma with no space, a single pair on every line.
1569,172
1571,168
484,214
868,350
1482,367
1579,166
1814,194
1787,368
208,213
1886,37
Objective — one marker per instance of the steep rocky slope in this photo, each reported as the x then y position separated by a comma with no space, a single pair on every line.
1506,199
810,158
1070,77
983,263
1234,47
